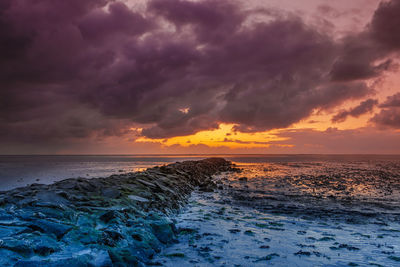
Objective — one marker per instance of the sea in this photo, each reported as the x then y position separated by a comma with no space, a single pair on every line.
280,210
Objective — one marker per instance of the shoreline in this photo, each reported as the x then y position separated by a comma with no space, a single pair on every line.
119,220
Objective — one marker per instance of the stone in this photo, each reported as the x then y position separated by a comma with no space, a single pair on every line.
101,259
163,231
111,193
111,237
80,261
57,228
52,198
137,198
109,215
22,247
116,221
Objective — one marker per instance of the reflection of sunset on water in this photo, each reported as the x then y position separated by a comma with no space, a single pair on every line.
348,181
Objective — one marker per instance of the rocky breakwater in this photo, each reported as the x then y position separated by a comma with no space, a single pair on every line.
121,220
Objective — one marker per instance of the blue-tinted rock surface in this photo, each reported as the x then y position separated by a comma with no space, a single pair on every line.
121,220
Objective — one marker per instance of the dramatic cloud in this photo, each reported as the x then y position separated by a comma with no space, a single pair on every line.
385,24
388,117
390,114
84,68
364,55
364,107
391,101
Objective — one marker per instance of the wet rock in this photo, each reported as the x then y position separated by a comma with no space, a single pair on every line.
110,215
22,247
205,249
101,259
79,261
394,258
344,246
111,193
124,213
137,198
206,188
348,247
42,245
111,237
249,232
125,257
57,228
268,257
302,253
163,230
326,238
175,255
187,231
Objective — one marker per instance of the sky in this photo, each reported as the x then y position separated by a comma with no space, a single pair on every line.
204,76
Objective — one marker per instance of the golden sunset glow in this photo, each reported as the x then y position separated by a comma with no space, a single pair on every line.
321,122
224,136
227,137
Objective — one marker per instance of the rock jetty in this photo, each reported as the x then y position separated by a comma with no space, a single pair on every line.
121,220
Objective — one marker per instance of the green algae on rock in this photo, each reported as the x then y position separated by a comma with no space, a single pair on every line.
120,220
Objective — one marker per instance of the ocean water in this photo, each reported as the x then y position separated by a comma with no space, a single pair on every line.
281,210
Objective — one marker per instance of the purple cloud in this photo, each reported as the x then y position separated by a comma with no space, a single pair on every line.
76,69
389,116
386,23
363,108
364,55
391,101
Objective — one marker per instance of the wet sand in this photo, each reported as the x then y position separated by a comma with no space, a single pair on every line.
336,213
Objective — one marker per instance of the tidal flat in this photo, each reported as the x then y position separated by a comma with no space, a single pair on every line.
258,211
328,213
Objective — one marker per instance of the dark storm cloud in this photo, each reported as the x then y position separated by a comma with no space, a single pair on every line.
47,63
385,24
392,101
98,25
213,21
365,55
389,116
363,108
73,69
